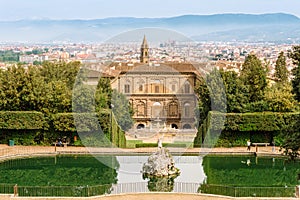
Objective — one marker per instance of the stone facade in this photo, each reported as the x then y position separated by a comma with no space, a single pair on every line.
161,95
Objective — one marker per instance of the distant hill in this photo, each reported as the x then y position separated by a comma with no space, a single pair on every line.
219,27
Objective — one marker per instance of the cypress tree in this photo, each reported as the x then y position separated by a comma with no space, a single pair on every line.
254,77
281,72
295,55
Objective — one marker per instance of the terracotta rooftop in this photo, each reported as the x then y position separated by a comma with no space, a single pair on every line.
158,67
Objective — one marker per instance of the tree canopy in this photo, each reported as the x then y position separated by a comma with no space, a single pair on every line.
122,110
46,88
254,77
295,55
281,72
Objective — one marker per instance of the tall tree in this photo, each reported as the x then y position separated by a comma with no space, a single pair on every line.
61,71
281,72
47,88
204,103
58,98
254,77
83,99
217,92
280,98
103,94
291,137
20,89
295,55
122,110
235,90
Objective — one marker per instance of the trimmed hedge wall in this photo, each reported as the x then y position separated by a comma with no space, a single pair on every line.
27,137
118,135
17,120
90,122
237,128
35,128
83,122
264,121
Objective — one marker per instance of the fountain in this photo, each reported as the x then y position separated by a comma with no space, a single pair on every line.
160,170
160,164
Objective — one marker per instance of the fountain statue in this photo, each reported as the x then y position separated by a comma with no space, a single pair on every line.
159,143
160,164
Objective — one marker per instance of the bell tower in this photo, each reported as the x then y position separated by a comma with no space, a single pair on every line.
144,51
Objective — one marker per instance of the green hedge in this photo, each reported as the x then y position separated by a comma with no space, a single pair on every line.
237,128
82,122
118,135
27,137
28,128
17,120
91,122
264,121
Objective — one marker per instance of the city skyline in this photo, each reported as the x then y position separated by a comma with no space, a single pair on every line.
97,9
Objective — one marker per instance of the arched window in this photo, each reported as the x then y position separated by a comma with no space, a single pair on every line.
173,109
186,109
140,83
186,87
186,126
157,104
156,109
127,87
140,126
173,88
141,109
141,88
174,126
156,88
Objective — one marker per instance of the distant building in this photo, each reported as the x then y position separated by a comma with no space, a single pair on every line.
144,51
32,58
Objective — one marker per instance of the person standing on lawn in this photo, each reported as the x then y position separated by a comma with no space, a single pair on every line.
248,145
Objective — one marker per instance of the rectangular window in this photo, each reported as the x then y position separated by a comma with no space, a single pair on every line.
187,88
127,88
186,111
173,87
156,89
141,88
173,110
140,110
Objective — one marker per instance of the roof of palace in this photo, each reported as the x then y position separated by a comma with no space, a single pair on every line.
170,67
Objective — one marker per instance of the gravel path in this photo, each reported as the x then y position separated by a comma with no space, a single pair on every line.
29,150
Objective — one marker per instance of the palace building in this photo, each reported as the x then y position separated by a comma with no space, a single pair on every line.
161,95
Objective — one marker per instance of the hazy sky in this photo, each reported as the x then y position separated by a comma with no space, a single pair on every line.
92,9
